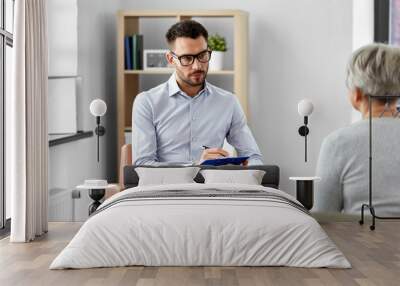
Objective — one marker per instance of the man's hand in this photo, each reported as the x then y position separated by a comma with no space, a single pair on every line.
216,153
213,153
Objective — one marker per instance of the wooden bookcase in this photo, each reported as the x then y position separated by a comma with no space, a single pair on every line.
128,80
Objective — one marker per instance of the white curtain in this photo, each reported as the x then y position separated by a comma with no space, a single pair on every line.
26,123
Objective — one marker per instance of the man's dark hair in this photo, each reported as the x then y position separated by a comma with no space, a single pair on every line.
187,29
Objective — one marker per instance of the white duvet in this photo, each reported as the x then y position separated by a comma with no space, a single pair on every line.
200,231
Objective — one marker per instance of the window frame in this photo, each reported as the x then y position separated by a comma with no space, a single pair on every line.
381,21
6,39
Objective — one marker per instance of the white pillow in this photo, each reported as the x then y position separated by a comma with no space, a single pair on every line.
166,176
248,177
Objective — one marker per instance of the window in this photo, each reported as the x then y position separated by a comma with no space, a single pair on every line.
381,20
394,22
6,44
387,21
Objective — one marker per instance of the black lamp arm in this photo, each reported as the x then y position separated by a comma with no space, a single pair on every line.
304,131
100,131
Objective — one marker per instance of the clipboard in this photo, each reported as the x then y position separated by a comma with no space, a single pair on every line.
225,161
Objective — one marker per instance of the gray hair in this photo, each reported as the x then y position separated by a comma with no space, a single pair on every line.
375,70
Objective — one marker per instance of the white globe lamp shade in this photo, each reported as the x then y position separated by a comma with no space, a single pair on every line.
98,107
305,107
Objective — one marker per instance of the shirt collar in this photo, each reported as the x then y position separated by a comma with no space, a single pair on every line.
173,87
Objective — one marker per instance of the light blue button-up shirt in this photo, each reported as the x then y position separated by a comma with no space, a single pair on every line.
171,127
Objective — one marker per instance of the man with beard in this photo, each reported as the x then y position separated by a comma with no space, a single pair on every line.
186,119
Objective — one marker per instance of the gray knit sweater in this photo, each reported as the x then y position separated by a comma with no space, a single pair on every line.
343,168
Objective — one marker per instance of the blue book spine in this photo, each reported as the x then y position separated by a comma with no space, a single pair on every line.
128,53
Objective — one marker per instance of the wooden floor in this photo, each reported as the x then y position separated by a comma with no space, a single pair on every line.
375,257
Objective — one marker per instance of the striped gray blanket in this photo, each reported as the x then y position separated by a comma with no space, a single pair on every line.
205,194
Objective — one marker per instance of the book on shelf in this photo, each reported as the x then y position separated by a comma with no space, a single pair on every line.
128,53
137,52
134,52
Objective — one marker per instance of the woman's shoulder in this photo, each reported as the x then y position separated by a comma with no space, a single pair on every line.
359,130
346,136
341,133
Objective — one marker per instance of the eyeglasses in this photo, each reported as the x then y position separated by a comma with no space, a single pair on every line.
187,60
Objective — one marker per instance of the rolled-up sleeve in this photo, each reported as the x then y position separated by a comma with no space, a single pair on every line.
144,139
241,138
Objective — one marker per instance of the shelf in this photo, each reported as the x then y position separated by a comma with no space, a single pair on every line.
63,76
180,13
170,71
57,139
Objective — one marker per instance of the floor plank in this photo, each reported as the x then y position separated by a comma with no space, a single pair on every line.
375,257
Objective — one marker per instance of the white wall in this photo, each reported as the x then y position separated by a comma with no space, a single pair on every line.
363,32
363,23
71,163
298,49
97,68
63,38
63,61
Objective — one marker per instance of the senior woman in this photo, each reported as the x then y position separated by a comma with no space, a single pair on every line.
343,161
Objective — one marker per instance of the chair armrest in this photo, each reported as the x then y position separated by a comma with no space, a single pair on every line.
126,160
112,190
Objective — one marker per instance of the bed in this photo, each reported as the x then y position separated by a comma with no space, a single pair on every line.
199,224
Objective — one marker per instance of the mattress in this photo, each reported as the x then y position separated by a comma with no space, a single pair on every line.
201,225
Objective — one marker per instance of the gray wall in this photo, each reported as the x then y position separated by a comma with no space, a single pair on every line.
70,164
97,67
298,49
